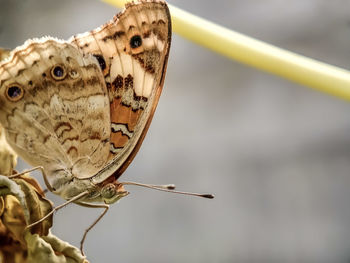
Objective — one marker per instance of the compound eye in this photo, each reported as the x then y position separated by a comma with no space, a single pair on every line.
58,72
14,92
108,191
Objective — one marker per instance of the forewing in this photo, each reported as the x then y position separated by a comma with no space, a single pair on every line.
132,50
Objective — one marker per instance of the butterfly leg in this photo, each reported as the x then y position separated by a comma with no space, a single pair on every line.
27,171
48,185
74,199
105,206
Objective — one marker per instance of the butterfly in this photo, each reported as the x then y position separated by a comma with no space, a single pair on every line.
80,109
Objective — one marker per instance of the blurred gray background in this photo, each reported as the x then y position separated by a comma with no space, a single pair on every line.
275,154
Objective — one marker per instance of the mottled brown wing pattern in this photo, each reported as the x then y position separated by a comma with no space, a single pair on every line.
48,90
132,51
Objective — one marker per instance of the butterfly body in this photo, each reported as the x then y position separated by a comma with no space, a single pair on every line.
81,108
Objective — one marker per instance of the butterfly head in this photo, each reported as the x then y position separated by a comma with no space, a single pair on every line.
112,192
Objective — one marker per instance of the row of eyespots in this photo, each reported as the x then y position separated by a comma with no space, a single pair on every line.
15,91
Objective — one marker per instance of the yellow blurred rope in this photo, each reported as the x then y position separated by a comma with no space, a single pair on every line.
305,71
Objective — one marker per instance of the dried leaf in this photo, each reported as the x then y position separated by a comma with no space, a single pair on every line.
20,204
50,249
37,204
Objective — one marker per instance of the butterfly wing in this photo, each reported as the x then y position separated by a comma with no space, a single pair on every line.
48,91
90,122
132,51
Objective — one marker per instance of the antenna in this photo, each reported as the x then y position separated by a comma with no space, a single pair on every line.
168,188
